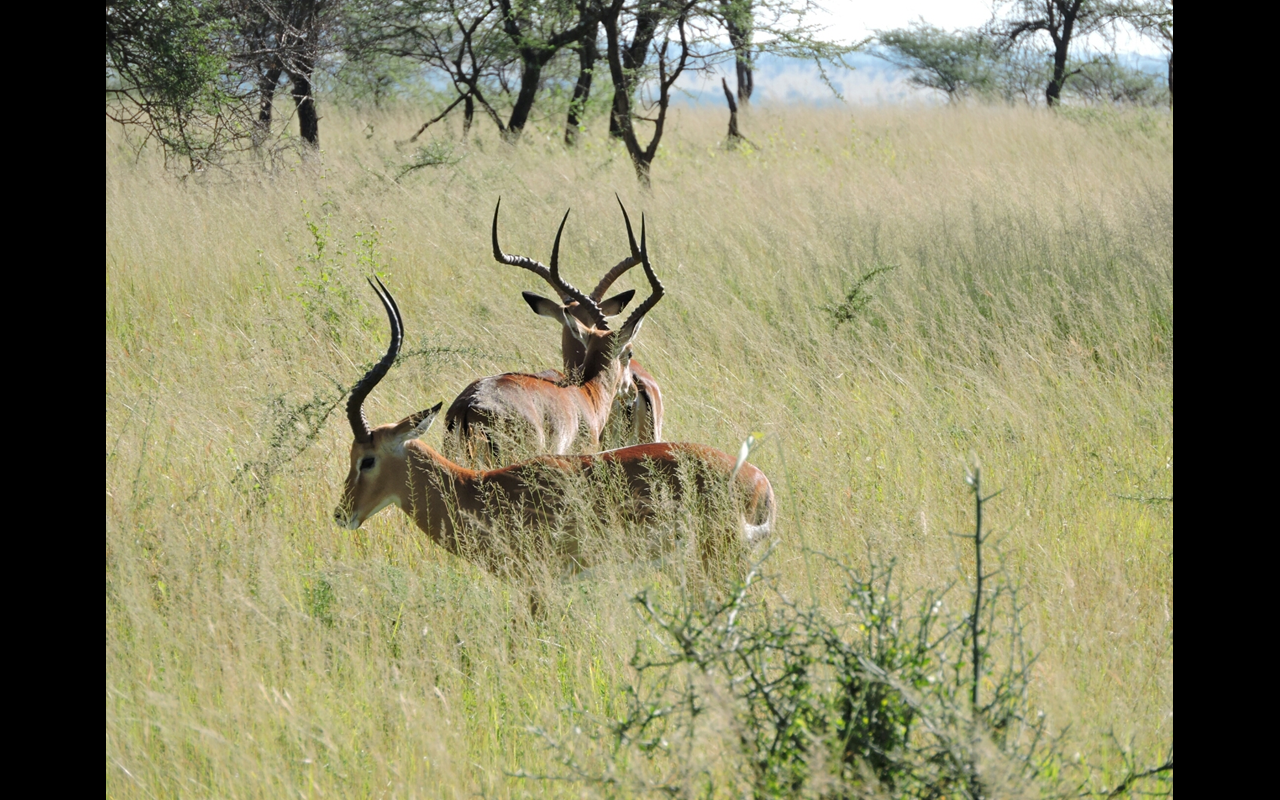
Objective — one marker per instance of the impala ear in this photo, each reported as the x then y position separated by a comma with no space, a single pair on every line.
549,308
630,335
542,306
615,304
420,422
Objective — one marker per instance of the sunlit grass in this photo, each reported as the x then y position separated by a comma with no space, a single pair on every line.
253,648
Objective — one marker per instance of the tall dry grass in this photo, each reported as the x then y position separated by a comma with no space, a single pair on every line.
254,649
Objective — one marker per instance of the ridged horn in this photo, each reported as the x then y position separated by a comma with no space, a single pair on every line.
622,266
550,274
536,267
628,328
568,290
355,405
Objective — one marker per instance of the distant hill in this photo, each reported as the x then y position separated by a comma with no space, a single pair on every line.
872,81
793,80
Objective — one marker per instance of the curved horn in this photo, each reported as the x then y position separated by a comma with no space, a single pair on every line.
567,289
551,275
536,267
657,292
355,406
622,266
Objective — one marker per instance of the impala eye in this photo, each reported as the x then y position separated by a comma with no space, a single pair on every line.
366,462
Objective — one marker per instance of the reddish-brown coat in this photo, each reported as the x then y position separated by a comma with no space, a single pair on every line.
472,513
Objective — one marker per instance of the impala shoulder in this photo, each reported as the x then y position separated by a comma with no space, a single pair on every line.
660,451
524,380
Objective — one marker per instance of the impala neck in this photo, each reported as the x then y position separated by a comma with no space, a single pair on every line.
599,372
574,354
600,388
436,493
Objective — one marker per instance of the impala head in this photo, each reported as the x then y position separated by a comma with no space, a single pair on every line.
588,343
379,469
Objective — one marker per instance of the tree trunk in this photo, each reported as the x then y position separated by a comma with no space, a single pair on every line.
614,130
734,135
632,58
1170,78
308,120
746,82
641,157
534,58
468,113
1061,44
530,76
1053,92
642,173
267,93
588,54
739,27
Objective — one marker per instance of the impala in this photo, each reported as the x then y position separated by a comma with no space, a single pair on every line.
503,519
537,413
636,416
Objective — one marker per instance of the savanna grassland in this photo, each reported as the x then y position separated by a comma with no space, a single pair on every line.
254,649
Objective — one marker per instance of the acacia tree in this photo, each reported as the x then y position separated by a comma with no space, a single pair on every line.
952,62
169,74
756,27
650,44
539,29
666,29
1105,81
461,38
1062,21
642,23
486,47
199,77
284,38
1153,19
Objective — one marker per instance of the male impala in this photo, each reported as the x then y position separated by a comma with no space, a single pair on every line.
636,416
505,518
536,413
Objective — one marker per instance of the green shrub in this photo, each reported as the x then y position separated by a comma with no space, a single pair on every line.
919,694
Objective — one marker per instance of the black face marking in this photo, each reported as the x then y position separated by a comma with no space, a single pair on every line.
366,462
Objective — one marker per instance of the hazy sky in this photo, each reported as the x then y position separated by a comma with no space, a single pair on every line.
853,20
856,19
